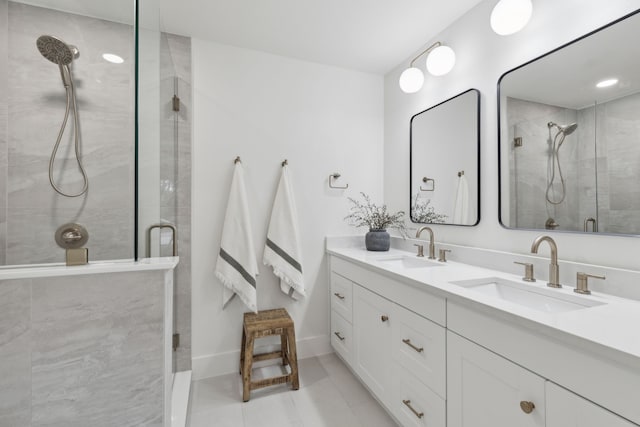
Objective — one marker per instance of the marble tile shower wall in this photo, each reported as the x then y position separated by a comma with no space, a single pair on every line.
616,130
600,162
30,210
82,350
175,177
4,35
530,162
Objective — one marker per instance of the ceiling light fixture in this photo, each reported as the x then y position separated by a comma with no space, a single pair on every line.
110,57
440,61
510,16
607,83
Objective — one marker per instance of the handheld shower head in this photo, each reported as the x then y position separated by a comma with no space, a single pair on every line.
57,51
566,130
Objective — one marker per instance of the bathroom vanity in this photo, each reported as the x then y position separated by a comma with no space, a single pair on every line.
451,344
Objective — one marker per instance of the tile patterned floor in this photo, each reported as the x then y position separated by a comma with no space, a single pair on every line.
329,396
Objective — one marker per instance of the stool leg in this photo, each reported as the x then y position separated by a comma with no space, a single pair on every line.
246,369
283,348
293,358
242,346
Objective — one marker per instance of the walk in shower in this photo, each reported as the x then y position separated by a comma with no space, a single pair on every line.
95,130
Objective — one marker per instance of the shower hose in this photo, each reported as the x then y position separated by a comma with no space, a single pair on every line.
71,104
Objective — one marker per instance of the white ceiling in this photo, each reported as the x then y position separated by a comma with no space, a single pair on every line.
367,35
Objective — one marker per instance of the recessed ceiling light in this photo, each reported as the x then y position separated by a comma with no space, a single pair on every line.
607,83
112,58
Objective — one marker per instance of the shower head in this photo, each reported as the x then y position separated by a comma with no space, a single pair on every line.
57,51
566,130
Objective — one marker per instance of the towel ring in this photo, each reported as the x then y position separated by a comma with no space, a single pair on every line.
427,181
333,176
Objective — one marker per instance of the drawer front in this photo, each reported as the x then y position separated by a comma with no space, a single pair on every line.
414,404
342,296
341,336
419,345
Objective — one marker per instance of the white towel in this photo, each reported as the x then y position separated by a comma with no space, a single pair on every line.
461,207
282,250
237,267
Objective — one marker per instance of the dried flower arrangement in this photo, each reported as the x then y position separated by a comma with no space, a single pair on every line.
423,213
368,214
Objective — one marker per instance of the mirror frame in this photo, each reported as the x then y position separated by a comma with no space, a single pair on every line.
584,36
478,128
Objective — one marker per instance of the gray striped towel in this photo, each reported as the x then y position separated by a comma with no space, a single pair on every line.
283,251
237,267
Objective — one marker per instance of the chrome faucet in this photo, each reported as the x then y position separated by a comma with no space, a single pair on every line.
554,270
432,246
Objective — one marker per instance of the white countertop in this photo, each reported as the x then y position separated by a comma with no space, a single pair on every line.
99,267
612,328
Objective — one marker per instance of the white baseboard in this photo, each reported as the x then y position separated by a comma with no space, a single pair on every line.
213,365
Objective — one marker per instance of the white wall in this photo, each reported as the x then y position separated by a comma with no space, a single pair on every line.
482,57
265,108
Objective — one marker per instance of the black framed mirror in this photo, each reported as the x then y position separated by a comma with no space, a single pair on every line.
444,172
569,126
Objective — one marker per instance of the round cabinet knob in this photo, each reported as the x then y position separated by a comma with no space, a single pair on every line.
527,407
384,318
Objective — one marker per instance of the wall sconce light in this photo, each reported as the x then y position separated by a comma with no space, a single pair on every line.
440,61
510,16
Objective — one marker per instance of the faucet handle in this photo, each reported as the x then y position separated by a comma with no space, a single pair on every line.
442,255
528,271
420,250
582,282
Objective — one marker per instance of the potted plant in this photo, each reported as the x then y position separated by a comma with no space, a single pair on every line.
378,220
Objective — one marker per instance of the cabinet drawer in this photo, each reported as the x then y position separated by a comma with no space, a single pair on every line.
419,345
342,296
341,336
429,409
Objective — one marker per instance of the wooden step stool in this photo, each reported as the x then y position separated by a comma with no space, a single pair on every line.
263,324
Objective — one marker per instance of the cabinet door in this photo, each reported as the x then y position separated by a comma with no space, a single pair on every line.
372,340
566,409
486,390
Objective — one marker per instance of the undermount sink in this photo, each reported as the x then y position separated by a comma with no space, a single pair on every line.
404,261
540,299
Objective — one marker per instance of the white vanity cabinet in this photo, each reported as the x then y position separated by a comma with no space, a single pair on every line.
398,354
439,360
566,409
486,390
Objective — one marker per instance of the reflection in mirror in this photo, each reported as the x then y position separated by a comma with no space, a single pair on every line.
445,162
569,132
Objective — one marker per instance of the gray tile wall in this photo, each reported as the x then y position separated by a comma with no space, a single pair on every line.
175,174
36,102
15,353
605,146
529,165
82,350
4,35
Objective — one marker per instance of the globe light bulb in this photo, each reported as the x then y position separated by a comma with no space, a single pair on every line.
411,80
510,16
441,60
